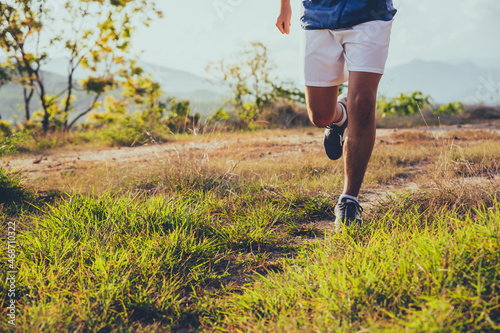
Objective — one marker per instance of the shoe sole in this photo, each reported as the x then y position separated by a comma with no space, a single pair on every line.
334,146
334,150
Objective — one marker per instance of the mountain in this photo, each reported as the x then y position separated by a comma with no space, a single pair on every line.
176,82
173,81
11,97
485,63
444,82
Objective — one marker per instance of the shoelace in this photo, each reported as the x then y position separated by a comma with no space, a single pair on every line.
347,205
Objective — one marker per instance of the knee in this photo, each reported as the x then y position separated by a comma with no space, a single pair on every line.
362,104
319,119
362,110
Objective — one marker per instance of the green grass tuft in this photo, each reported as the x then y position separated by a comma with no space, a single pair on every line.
14,195
440,277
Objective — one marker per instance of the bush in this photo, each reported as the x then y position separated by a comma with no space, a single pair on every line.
5,129
404,104
450,109
124,136
13,144
482,112
285,116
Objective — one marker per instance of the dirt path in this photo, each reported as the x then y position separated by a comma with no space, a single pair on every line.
257,147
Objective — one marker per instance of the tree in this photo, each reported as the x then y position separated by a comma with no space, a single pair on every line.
288,92
180,116
95,35
144,92
404,104
5,76
249,78
19,24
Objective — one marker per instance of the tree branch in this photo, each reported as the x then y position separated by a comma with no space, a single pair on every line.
90,108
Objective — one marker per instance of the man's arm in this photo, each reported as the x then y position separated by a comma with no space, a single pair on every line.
285,18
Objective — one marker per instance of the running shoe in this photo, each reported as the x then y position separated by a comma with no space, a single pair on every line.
347,213
334,137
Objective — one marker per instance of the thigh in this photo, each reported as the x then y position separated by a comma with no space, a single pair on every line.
321,101
323,63
367,46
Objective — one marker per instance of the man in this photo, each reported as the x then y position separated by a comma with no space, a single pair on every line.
345,40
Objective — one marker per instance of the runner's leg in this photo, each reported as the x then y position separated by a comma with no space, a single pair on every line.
360,136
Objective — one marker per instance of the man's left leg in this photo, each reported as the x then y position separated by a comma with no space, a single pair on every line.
366,47
360,136
358,145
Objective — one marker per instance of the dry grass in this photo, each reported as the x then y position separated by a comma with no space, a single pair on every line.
283,158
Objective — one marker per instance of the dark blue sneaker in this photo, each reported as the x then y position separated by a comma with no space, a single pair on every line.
347,213
334,137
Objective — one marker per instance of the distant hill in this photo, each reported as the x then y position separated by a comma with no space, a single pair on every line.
173,81
486,63
445,82
11,97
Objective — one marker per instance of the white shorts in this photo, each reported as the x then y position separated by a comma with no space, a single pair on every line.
329,55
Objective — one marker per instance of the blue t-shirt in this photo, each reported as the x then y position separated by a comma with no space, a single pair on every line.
337,14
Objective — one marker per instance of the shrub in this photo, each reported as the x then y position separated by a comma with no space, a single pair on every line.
404,104
13,144
5,129
450,109
482,112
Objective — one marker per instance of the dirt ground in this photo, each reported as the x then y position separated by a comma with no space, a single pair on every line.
259,147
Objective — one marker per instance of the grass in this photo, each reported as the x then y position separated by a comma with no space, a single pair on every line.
15,196
121,262
228,237
472,114
401,156
35,142
395,275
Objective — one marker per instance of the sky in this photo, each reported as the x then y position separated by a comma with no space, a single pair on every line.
195,32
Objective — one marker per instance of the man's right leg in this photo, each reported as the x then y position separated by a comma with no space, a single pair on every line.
322,105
